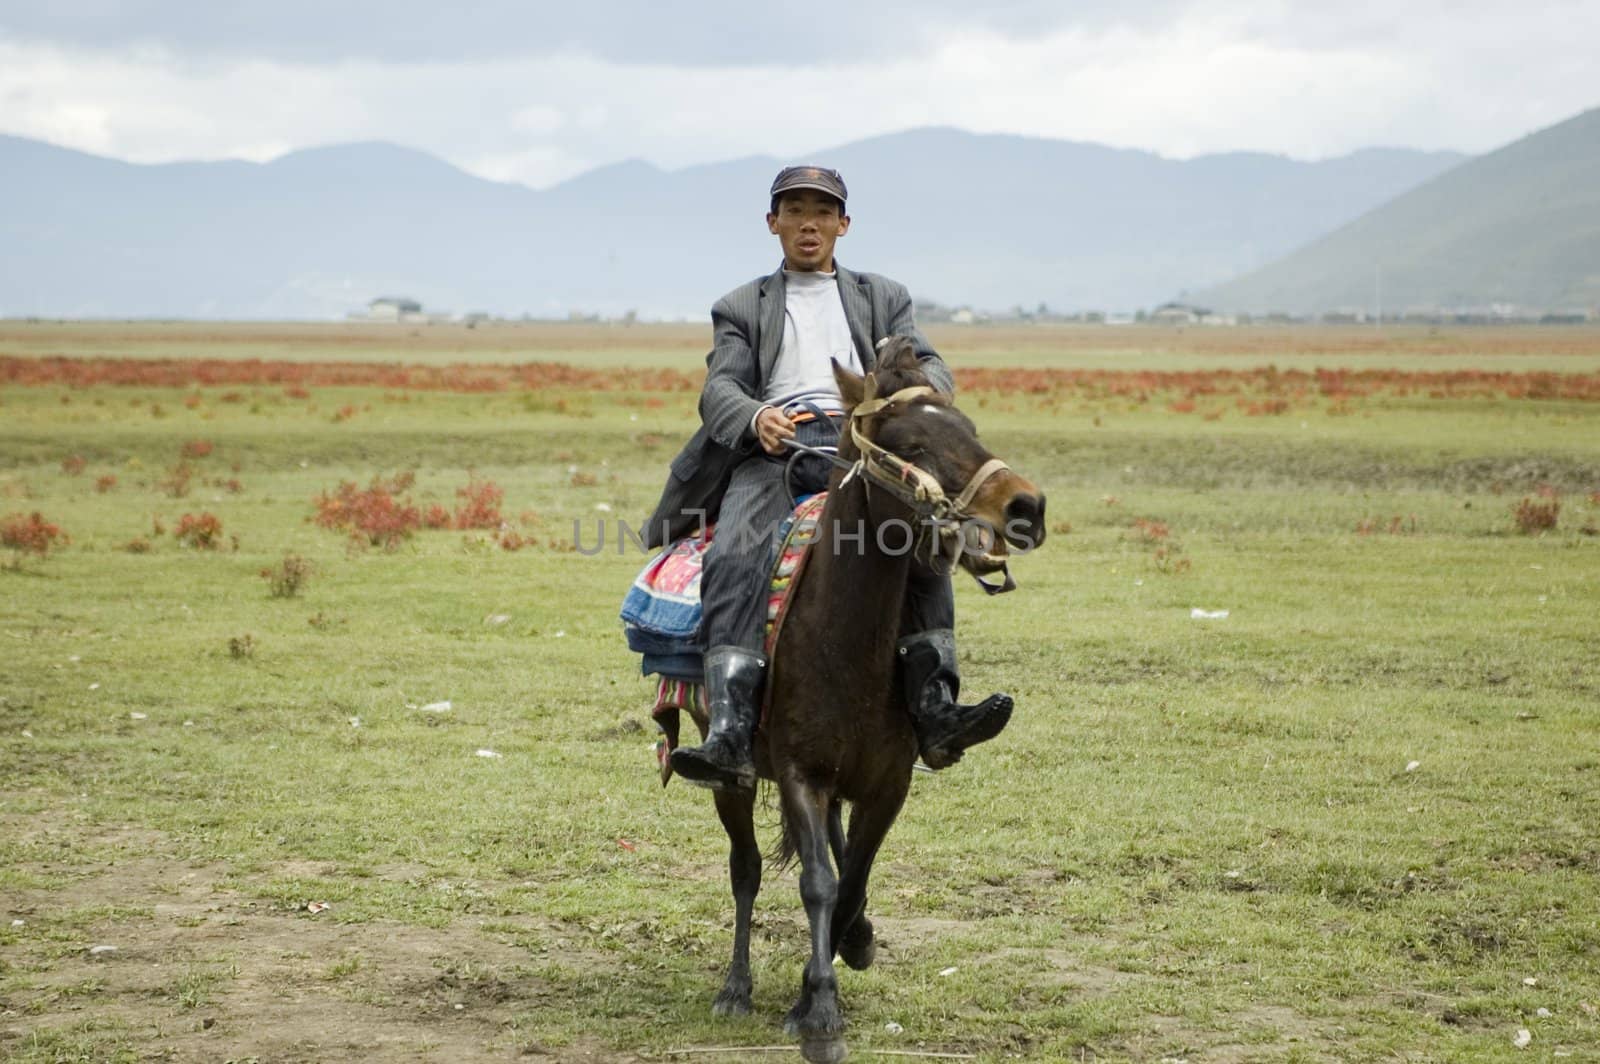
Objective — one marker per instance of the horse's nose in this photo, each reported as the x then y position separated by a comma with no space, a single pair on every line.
1025,520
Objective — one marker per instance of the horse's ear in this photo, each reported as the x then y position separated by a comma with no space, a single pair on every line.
851,387
899,353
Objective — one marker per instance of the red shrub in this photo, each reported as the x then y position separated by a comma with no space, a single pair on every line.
105,483
202,531
73,464
1265,408
437,517
1537,515
198,448
30,534
1397,526
375,514
1150,530
1167,560
480,504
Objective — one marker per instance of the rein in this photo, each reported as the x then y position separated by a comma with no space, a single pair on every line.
942,518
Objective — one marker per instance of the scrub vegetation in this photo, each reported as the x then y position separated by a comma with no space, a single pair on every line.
342,777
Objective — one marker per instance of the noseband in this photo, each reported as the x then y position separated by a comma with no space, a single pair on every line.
941,519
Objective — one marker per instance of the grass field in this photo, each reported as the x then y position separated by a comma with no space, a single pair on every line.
1353,820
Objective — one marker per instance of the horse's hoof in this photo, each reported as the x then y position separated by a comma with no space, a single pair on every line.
826,1050
859,955
814,1022
859,947
731,1004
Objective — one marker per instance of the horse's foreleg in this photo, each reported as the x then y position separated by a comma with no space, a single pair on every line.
815,1017
737,812
869,824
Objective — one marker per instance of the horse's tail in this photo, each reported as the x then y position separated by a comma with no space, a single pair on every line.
787,848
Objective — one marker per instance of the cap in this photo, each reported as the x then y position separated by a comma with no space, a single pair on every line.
817,177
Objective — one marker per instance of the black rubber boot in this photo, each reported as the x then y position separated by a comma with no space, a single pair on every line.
944,727
733,692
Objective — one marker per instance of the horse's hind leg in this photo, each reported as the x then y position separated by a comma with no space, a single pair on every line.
815,1017
836,833
852,931
737,812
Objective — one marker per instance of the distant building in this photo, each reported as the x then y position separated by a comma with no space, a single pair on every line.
393,308
1177,314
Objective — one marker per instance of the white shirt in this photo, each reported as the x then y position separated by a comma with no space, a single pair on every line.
815,332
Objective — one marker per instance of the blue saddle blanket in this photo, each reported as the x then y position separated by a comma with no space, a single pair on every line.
661,611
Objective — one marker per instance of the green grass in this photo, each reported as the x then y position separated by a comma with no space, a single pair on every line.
1199,838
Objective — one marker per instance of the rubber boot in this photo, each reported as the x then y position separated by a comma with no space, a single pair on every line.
944,727
733,689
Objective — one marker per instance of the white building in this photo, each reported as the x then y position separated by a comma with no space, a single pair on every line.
393,308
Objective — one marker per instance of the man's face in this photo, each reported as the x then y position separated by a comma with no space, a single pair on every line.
807,223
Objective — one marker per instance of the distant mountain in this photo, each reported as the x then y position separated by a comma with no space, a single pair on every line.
1520,225
991,221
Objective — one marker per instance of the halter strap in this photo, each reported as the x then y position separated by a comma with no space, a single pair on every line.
981,477
907,480
868,407
919,489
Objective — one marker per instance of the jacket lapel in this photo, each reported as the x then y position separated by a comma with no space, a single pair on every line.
770,339
857,297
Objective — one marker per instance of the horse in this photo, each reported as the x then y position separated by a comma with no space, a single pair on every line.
918,490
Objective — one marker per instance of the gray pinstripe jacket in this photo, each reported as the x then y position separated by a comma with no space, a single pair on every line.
747,331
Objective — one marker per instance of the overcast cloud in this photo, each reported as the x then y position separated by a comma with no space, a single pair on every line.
515,92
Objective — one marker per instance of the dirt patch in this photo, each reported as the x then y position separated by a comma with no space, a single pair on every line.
197,972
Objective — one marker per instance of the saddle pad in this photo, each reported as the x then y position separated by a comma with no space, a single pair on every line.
795,541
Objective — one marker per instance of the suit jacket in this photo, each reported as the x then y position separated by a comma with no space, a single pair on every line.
747,332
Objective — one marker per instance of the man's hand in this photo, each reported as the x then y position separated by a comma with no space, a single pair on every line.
772,428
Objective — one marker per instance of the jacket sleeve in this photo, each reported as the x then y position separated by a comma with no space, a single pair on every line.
902,322
728,401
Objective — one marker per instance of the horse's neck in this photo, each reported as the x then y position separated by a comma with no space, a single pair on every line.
864,585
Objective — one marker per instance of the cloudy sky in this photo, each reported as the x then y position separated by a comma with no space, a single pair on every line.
537,92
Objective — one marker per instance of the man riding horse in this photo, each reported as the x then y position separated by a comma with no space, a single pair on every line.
769,380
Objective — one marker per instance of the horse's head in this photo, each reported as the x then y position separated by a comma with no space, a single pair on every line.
908,438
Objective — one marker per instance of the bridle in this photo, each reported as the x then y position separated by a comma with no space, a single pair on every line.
942,520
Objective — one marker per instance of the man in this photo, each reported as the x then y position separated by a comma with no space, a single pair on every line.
769,378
